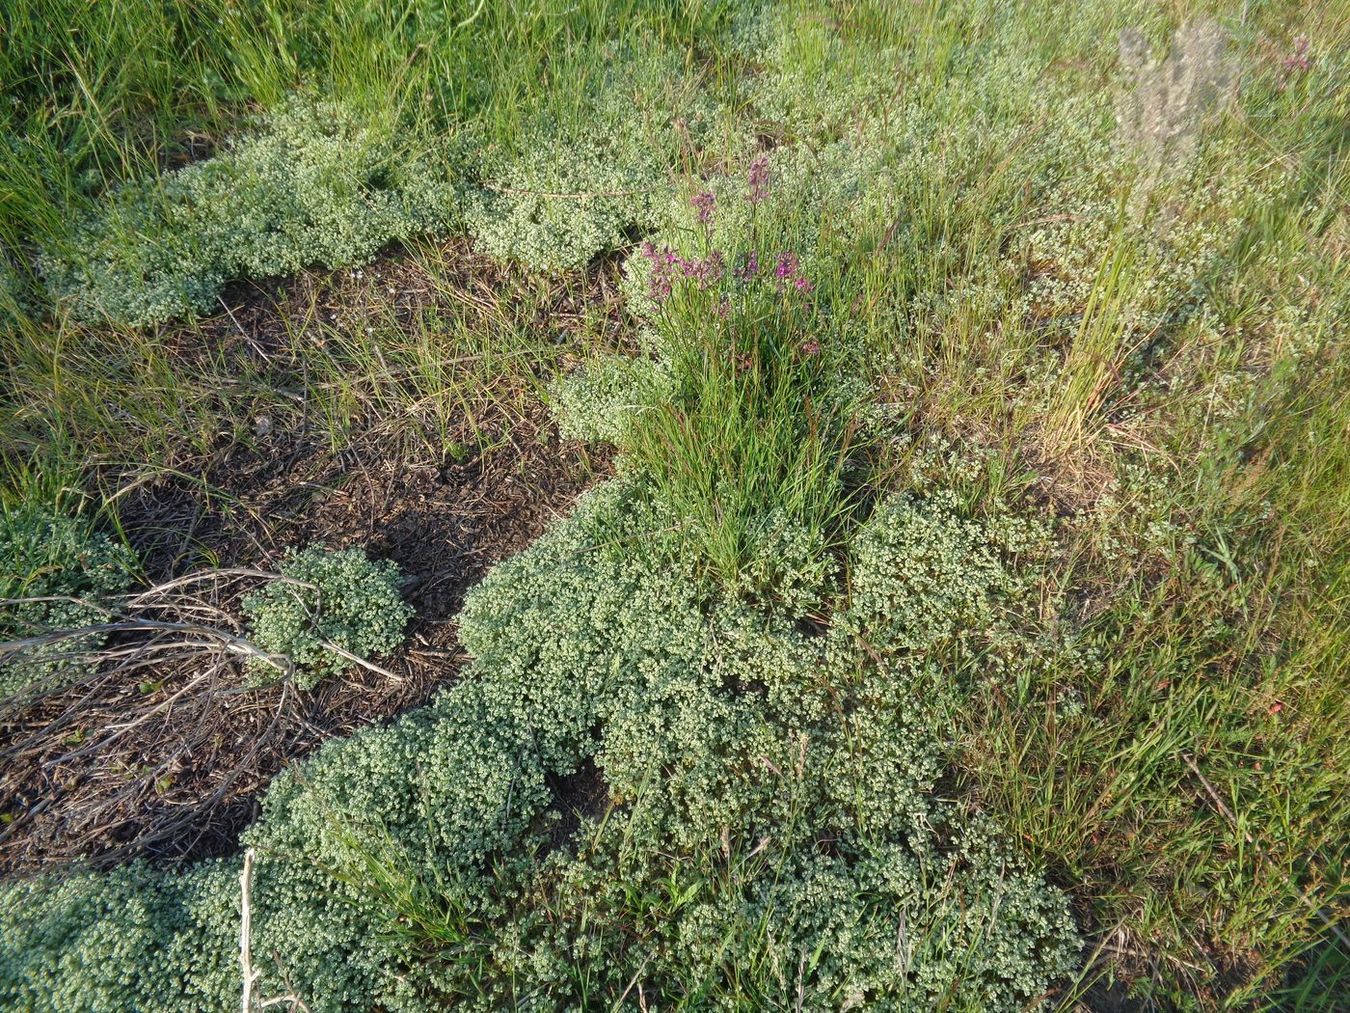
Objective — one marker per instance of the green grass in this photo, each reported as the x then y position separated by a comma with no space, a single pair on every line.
996,311
446,378
752,447
95,94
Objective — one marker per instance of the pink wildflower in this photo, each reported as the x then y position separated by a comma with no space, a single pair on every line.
703,203
663,263
1299,59
707,271
758,179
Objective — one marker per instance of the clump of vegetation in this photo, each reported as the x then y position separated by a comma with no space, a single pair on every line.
602,400
922,574
752,444
586,178
319,182
751,448
57,573
427,861
325,607
562,202
93,935
316,185
982,503
812,83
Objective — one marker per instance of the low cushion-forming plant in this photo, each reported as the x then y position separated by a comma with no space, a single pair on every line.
769,823
57,571
326,606
315,186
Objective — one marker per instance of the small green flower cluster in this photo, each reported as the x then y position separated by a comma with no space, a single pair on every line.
48,553
314,186
813,81
319,183
922,575
599,401
767,793
573,187
131,938
324,600
565,200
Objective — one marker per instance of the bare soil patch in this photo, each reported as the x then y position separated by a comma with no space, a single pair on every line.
182,756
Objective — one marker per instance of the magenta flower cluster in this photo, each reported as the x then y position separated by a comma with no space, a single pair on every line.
669,267
1298,60
758,179
703,203
788,271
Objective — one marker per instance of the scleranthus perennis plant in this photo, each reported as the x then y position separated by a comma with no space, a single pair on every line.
751,449
318,183
421,864
327,603
56,572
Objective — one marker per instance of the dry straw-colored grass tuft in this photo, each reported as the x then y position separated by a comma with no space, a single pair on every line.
1164,110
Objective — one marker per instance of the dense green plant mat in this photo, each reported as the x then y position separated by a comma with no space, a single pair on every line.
982,519
773,824
58,570
326,606
316,186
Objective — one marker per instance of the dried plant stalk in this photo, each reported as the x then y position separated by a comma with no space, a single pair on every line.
1163,112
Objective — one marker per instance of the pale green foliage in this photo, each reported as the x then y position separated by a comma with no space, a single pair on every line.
843,923
793,561
722,734
1133,520
922,575
756,747
327,597
48,553
322,183
457,782
1170,257
314,186
562,201
907,926
107,941
573,187
600,400
815,83
775,841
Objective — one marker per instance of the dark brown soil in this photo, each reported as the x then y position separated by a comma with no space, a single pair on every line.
186,778
172,792
583,794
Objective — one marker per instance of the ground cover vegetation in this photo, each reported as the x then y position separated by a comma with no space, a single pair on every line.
962,621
